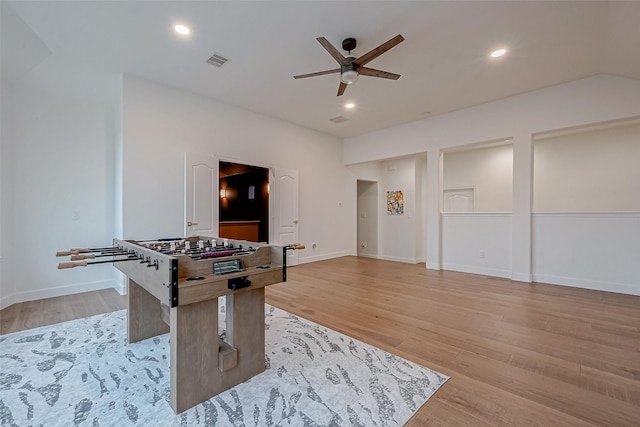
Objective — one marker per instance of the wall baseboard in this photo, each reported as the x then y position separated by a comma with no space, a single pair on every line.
323,257
405,260
474,269
61,291
372,256
399,259
621,288
522,277
6,301
434,265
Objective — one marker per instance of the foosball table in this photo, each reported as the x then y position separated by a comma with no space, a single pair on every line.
174,286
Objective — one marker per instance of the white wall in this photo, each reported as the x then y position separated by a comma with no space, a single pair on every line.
477,242
161,123
588,171
488,170
399,231
79,169
400,237
593,250
61,193
6,195
584,102
592,100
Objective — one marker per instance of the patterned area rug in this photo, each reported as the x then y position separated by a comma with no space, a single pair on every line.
83,373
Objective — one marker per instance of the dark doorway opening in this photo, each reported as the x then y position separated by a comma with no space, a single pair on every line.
244,202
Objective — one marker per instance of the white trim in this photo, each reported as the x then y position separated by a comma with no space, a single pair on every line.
497,142
462,187
399,259
574,282
474,269
304,260
433,266
7,301
629,214
522,277
592,127
475,214
61,291
372,256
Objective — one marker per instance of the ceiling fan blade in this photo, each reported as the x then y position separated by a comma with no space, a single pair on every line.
319,73
373,54
342,88
333,51
365,71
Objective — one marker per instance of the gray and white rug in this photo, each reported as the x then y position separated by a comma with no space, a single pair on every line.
83,373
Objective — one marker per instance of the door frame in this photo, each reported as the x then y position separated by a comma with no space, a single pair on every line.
274,193
373,225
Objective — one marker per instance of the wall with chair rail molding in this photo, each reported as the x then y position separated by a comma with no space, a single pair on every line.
593,250
588,102
477,242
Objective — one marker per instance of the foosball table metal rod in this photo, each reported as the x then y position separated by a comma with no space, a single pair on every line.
85,263
77,251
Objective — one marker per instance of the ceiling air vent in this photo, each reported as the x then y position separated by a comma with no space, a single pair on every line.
339,119
217,60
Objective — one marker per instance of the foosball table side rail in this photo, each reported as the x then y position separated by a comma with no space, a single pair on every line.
156,272
167,277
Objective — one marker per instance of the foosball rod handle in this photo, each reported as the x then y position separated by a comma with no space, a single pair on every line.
77,251
72,264
297,246
81,257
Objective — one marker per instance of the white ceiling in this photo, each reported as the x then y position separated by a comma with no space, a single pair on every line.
443,61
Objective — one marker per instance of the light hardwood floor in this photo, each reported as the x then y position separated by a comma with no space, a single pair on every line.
517,353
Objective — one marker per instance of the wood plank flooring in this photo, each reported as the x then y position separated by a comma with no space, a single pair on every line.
517,353
33,314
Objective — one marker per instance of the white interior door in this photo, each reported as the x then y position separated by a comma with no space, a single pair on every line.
287,211
201,195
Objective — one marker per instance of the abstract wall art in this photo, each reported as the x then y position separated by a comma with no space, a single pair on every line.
395,202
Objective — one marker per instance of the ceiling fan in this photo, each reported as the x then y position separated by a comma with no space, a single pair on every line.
350,67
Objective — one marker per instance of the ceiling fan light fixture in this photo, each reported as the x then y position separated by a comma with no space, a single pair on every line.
349,76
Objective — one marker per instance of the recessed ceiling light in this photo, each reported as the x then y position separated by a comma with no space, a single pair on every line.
182,29
498,53
349,105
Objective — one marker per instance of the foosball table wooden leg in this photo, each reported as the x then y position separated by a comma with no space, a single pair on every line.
195,374
144,316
